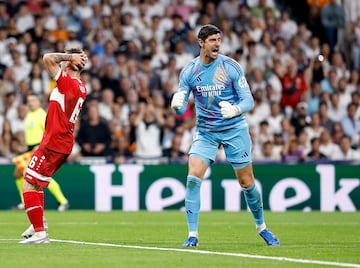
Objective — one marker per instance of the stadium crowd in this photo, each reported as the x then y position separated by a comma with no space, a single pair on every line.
301,59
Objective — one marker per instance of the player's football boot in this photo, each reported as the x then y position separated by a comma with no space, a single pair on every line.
269,237
36,238
63,207
29,232
192,241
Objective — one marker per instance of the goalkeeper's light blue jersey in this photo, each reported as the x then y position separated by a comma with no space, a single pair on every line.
221,80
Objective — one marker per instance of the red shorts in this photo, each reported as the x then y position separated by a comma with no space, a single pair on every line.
42,166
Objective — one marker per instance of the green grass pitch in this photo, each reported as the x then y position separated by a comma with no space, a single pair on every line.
153,239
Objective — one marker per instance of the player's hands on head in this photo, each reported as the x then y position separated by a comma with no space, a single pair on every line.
79,60
228,110
178,100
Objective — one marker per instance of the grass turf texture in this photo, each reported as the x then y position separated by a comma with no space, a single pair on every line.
326,237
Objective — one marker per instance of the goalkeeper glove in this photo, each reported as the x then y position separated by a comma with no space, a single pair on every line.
178,100
228,110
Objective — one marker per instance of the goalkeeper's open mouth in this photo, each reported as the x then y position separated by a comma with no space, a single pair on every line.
215,52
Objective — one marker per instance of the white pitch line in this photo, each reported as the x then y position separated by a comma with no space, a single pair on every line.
206,252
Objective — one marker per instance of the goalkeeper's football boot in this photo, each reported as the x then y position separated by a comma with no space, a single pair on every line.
36,238
29,232
269,237
192,241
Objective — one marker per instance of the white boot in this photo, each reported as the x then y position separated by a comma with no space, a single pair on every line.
36,238
29,232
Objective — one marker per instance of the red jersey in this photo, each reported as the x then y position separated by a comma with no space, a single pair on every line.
292,90
66,101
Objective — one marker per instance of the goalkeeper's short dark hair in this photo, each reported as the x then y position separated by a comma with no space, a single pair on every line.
207,30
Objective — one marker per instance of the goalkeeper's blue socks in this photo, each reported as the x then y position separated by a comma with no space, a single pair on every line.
192,204
254,201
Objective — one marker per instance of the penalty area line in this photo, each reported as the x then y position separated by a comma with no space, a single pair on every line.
206,252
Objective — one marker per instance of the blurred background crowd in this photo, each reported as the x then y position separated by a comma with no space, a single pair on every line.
301,59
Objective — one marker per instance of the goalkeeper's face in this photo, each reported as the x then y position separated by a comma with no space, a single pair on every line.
211,46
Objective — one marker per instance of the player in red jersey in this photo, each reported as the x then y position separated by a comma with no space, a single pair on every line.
65,104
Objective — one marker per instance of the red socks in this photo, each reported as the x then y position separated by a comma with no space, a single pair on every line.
34,209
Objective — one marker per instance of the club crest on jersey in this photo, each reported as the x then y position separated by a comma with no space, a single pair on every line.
82,89
220,76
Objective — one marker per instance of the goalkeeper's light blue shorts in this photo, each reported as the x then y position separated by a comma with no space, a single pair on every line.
236,143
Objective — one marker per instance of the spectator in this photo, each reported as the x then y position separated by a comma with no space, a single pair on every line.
304,141
287,130
177,33
148,125
49,20
278,144
275,118
312,48
6,138
242,20
293,86
60,33
259,9
183,9
314,129
94,136
33,53
299,119
38,30
289,27
344,96
292,153
327,146
313,98
106,103
337,133
159,57
355,98
168,131
263,135
317,71
353,81
257,80
255,29
230,41
268,154
325,121
333,19
24,19
351,125
150,73
174,153
228,10
338,63
315,155
336,114
181,56
109,80
122,153
345,152
21,68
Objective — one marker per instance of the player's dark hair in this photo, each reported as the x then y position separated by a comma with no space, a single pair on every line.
207,30
73,50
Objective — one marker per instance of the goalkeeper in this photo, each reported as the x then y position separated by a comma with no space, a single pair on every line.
34,129
222,97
